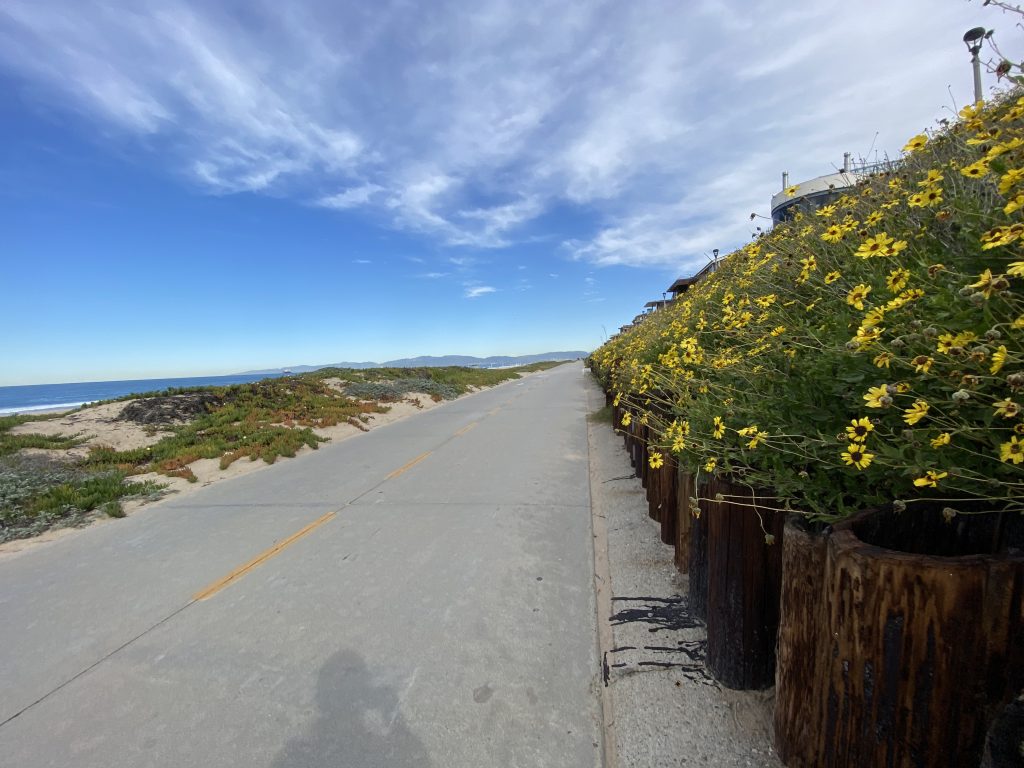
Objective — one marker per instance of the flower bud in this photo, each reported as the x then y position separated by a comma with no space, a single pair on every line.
899,506
992,334
931,331
965,291
961,395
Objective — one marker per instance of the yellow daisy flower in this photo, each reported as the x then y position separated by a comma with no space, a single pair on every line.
857,456
916,412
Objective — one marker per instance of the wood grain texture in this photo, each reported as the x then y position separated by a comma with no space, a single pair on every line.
684,519
802,631
698,581
922,651
744,585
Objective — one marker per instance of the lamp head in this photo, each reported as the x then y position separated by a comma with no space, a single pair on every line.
973,38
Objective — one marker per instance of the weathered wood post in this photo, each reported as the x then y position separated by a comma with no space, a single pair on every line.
698,571
902,637
744,584
801,632
684,518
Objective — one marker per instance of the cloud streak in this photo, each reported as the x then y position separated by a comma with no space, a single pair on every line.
663,124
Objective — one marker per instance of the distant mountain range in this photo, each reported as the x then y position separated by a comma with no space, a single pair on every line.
497,361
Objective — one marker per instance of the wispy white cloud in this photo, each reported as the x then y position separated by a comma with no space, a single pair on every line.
479,290
665,124
362,261
352,197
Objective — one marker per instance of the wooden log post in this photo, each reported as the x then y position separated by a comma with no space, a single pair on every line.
698,571
802,618
684,518
744,585
666,500
923,650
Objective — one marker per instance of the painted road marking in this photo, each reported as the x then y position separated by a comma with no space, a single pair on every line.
408,466
239,572
466,428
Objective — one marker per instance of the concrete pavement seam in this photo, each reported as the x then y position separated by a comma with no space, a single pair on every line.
95,664
603,606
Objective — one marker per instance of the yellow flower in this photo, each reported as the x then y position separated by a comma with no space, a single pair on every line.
858,430
710,464
831,277
872,318
756,438
922,363
931,479
941,439
1016,269
897,279
856,455
719,428
833,234
876,397
895,248
855,298
825,211
617,400
1015,204
1012,451
626,419
916,412
1010,179
916,143
975,170
933,177
916,200
883,359
874,246
998,359
873,218
678,444
655,460
1006,408
986,283
790,191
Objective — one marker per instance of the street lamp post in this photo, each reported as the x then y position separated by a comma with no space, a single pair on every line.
973,39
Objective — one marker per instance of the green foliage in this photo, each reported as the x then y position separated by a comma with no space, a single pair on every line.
10,444
38,493
896,310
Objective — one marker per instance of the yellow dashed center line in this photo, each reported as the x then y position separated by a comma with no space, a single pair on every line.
239,572
410,465
466,428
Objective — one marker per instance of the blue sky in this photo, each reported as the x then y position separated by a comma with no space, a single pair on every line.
192,188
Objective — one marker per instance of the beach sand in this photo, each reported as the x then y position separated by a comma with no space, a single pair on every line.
100,427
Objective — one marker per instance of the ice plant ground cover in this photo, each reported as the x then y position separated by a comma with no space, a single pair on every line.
867,353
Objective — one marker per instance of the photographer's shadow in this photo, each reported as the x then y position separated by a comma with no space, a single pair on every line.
359,724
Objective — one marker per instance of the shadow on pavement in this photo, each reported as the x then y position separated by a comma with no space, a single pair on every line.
359,724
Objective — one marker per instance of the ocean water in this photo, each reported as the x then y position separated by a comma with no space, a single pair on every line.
35,397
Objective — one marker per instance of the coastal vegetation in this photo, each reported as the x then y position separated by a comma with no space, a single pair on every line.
868,353
47,486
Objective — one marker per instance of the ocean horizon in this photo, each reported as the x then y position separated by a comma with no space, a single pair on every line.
29,398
